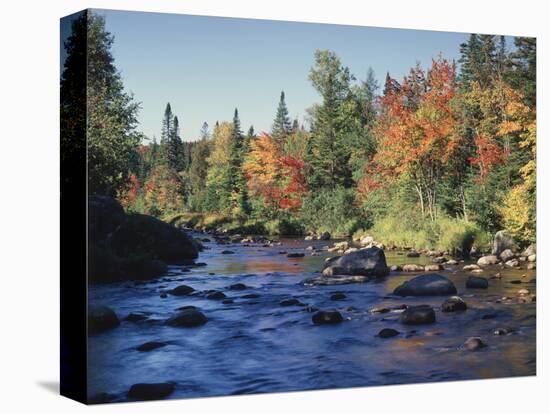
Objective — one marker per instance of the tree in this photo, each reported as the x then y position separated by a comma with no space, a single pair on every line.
198,172
523,73
281,125
106,111
176,154
218,179
167,130
239,193
205,132
329,152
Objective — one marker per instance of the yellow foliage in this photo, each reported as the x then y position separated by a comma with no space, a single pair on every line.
517,213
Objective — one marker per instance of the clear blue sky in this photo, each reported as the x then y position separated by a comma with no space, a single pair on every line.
207,66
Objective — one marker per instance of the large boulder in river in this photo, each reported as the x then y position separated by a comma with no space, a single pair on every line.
503,240
506,255
365,262
430,284
188,318
105,214
142,235
101,318
324,235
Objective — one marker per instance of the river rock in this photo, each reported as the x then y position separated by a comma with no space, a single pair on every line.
487,260
433,267
181,290
101,318
418,315
388,333
503,241
238,286
327,317
295,255
531,250
473,344
470,267
188,319
324,235
290,302
531,266
338,296
413,268
396,268
135,317
143,392
475,282
334,280
454,304
413,254
512,263
141,235
426,285
309,238
451,262
365,262
150,346
507,255
216,296
532,258
227,252
366,240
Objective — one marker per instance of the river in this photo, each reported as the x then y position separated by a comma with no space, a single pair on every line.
254,345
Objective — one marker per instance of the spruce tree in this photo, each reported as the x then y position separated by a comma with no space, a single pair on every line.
237,182
281,125
175,148
205,132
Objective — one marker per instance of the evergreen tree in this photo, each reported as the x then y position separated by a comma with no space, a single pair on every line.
281,124
523,73
205,132
239,189
175,148
329,151
167,125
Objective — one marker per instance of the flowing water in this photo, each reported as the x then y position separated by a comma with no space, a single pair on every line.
254,345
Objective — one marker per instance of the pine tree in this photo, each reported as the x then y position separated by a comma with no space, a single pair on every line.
523,73
239,191
175,148
281,124
167,125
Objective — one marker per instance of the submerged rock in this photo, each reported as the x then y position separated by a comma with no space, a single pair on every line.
418,315
470,267
335,280
188,318
338,296
453,304
295,255
227,252
216,296
238,286
135,317
475,282
426,285
149,346
143,392
290,302
101,318
473,344
388,333
413,254
365,262
327,318
181,290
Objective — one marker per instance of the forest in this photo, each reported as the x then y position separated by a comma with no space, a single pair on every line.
442,158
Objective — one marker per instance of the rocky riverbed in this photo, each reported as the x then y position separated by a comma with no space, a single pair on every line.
245,322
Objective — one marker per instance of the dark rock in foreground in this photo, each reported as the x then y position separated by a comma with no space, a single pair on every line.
454,304
182,290
388,333
327,318
188,318
143,392
149,346
418,315
475,282
431,284
365,262
101,318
